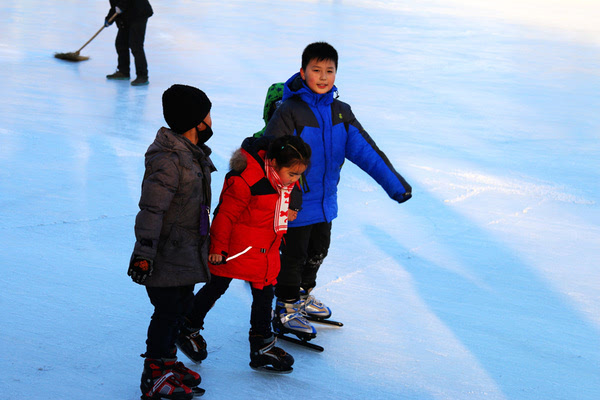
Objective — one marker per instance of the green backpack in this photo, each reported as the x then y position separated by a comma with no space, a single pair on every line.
273,100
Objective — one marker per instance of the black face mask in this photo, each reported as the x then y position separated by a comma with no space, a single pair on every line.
204,135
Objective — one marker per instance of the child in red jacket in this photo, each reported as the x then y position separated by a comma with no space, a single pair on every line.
246,233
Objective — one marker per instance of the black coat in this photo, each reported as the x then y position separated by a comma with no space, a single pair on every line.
132,10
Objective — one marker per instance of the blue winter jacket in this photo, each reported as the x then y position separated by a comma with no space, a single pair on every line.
333,133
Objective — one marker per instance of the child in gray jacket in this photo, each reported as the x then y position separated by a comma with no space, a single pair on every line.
171,229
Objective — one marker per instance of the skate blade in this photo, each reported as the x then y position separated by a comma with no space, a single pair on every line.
198,391
269,369
302,343
305,337
324,321
189,356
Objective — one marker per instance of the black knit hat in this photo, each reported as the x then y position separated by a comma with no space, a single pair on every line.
184,107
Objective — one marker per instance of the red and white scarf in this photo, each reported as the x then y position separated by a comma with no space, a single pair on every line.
283,203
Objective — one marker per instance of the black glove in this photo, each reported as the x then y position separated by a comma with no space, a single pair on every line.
107,23
139,269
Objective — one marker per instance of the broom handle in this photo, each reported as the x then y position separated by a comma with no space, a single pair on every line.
111,19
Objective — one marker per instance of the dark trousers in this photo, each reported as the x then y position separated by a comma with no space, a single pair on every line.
171,305
205,299
303,250
131,36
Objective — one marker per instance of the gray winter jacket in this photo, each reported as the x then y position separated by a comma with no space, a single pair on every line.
172,226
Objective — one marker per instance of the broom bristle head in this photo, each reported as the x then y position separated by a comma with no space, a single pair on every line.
70,56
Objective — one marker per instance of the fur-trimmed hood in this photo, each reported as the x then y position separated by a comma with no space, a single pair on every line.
238,161
253,147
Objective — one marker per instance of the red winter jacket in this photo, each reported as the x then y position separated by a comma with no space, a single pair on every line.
245,217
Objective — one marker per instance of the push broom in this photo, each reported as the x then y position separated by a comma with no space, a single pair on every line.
74,56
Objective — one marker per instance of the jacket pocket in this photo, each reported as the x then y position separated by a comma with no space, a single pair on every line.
181,247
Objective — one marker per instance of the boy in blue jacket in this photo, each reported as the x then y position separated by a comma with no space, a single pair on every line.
311,110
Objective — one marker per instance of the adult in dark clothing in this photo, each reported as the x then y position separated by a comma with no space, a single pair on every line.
131,20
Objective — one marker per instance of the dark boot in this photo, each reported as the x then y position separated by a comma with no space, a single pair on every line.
188,377
265,356
192,344
118,75
158,381
140,81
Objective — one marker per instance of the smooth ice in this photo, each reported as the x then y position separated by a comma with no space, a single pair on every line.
483,286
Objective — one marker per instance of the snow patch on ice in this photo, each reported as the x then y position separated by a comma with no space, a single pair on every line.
473,184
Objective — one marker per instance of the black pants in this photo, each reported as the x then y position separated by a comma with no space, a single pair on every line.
205,299
131,36
171,305
303,250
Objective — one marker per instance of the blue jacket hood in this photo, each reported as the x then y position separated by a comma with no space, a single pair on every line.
296,86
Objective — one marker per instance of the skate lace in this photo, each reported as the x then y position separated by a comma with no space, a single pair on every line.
299,315
180,367
312,301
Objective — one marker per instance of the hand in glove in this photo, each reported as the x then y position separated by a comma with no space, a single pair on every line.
140,269
109,20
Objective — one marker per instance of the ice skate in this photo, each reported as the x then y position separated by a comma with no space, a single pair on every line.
162,380
314,309
192,344
289,318
266,357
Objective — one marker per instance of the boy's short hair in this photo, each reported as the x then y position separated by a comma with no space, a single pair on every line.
320,51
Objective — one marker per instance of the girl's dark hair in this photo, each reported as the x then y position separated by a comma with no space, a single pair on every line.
319,51
288,151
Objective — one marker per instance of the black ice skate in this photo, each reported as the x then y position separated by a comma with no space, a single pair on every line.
265,356
162,380
192,344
